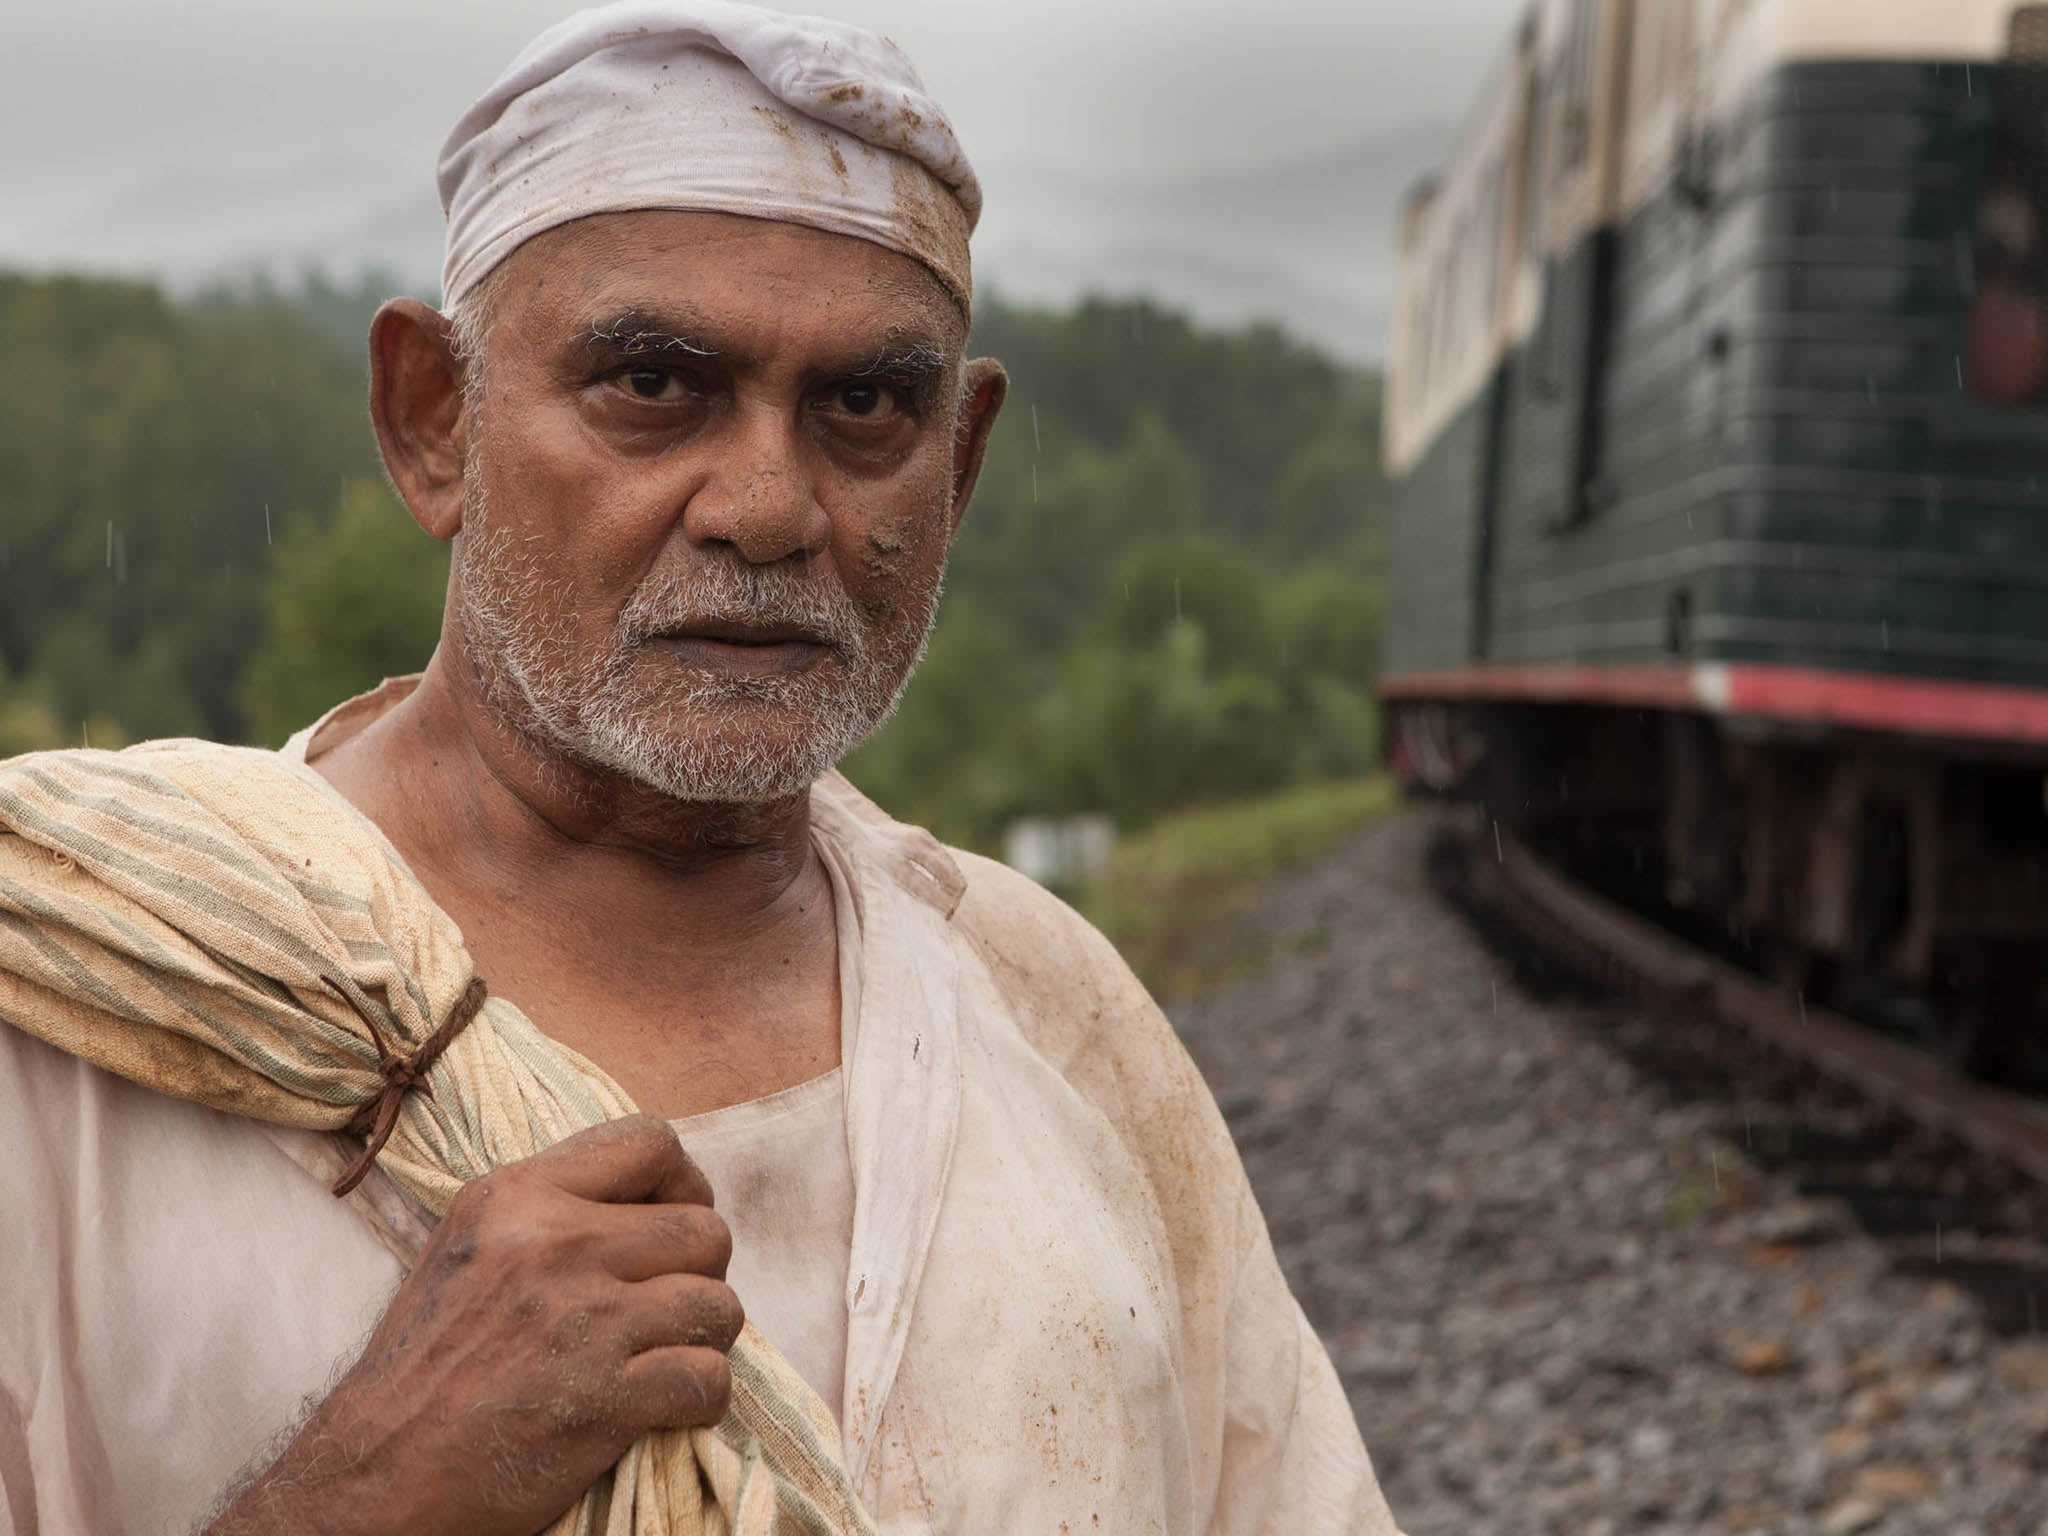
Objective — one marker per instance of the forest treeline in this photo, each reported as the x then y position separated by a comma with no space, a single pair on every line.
1166,591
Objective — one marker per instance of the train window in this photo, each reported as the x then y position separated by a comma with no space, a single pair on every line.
2008,323
1492,242
1461,293
1658,67
1572,85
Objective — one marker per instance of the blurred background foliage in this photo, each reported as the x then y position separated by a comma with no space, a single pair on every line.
1166,592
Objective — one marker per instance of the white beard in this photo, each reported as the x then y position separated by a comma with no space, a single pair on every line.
686,734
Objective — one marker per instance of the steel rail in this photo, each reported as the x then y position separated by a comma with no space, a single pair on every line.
1582,927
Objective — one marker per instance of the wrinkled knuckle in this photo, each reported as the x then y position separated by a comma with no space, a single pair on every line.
713,1238
713,1389
695,1179
458,1251
703,1314
455,1241
494,1185
697,1236
492,1201
722,1316
469,1200
650,1134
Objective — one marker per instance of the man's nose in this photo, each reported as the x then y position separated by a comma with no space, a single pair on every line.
759,499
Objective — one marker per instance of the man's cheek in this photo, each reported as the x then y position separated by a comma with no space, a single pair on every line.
909,547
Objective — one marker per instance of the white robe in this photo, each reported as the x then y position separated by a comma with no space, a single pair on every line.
1062,1309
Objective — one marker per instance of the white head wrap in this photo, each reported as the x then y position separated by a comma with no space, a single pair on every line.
711,105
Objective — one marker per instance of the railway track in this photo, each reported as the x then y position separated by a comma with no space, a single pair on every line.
1615,948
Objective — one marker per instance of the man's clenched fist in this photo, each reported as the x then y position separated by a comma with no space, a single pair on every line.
565,1306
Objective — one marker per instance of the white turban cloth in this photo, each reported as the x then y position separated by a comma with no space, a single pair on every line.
708,105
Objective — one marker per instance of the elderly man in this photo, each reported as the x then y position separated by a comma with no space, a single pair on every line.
698,425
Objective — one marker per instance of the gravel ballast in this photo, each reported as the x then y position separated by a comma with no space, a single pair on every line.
1561,1296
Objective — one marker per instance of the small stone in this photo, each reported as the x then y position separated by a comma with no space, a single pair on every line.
2025,1368
1807,1469
1877,1404
1518,1400
1893,1484
1952,1392
1944,1297
1761,1357
1847,1442
1651,1442
1795,1224
1851,1515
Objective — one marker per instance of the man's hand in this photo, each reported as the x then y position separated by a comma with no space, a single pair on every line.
566,1305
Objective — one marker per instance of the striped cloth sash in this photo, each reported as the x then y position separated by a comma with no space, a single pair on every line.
217,924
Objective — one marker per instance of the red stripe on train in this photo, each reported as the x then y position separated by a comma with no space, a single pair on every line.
1856,700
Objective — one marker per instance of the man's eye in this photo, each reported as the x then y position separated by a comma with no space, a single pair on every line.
650,383
861,399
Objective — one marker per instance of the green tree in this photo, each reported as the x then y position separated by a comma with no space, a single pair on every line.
149,453
1143,731
947,759
1328,500
1218,587
346,606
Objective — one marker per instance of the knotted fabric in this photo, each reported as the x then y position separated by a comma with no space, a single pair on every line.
217,924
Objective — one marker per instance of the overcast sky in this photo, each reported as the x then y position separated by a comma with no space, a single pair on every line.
1119,139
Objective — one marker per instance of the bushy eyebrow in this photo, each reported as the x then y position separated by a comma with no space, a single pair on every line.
641,333
912,363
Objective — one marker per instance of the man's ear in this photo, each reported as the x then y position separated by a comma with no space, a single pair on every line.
983,387
417,405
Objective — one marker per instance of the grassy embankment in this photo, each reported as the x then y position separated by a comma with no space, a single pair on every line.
1169,899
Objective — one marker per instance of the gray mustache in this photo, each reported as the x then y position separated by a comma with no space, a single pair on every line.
724,594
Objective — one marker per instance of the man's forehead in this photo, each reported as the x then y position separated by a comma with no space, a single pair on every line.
702,276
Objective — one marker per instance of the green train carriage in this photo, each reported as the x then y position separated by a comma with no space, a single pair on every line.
1718,416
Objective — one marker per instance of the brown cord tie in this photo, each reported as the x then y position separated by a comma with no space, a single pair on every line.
374,1121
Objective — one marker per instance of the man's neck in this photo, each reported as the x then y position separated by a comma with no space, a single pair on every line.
458,788
622,920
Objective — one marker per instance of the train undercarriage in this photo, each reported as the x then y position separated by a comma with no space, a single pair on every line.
1897,880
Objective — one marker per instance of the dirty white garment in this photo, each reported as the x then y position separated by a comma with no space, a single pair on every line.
783,1181
779,1171
1060,1306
